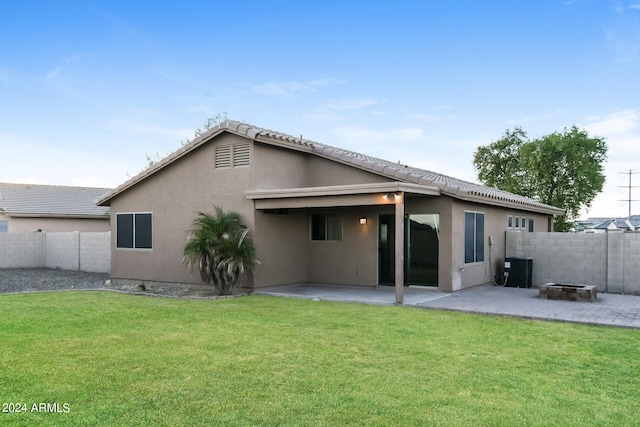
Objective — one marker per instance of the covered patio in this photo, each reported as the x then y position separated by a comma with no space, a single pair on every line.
373,195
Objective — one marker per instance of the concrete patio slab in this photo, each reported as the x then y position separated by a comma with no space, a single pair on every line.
607,310
383,295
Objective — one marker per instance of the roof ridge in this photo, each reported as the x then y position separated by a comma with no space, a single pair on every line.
447,184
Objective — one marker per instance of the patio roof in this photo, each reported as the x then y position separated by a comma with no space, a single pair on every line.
337,195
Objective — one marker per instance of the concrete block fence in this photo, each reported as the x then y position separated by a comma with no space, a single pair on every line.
80,251
610,261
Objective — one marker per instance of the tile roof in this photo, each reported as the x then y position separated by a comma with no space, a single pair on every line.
620,223
448,185
51,200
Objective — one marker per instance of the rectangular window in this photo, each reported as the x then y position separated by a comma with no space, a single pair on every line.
326,227
509,221
517,222
530,225
523,223
473,237
4,226
134,231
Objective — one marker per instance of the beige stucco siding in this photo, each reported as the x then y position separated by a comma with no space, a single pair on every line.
276,167
173,196
354,259
464,275
282,243
322,172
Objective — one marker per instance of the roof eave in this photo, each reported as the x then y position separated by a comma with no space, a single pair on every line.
343,190
476,198
55,215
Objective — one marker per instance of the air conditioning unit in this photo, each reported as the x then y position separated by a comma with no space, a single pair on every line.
518,272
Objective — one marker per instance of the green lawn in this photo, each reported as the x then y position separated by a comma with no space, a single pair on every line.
117,359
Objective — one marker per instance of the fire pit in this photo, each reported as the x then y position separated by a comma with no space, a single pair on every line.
559,291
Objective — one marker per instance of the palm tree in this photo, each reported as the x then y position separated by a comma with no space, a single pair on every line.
220,248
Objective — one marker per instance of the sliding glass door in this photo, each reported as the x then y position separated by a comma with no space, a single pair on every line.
423,236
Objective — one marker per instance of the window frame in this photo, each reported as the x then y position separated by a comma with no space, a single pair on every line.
147,244
326,229
531,225
509,221
476,240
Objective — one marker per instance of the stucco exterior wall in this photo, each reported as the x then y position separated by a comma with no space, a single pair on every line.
354,259
173,196
464,275
282,244
277,167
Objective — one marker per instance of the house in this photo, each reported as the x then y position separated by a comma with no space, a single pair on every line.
603,225
29,207
318,214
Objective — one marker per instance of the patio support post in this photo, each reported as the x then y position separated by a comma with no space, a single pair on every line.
399,256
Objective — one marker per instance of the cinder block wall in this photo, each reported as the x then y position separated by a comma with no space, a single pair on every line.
84,251
62,250
95,252
611,261
21,250
631,256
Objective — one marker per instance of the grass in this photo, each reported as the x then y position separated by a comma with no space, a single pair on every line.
117,359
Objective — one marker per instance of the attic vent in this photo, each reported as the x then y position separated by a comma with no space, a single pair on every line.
241,155
223,157
235,155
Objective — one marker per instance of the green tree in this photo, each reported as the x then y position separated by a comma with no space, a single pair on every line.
220,248
563,169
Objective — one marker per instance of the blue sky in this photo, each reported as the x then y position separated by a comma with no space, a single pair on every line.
88,88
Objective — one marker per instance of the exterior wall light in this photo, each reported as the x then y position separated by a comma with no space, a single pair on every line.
363,220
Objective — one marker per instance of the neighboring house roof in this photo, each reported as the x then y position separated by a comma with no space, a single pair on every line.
614,223
447,185
29,200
